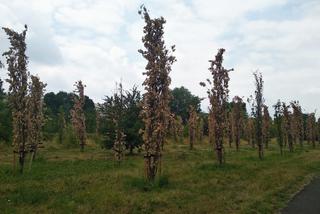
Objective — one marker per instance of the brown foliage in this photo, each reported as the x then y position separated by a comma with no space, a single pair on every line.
229,127
155,112
192,123
200,129
287,128
35,114
211,128
251,132
311,129
77,114
18,88
256,111
237,119
176,128
218,97
278,120
297,122
266,126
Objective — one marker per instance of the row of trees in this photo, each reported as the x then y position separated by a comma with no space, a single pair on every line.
220,118
127,120
24,99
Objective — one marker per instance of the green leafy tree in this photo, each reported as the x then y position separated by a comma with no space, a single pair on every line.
131,123
180,102
63,101
5,117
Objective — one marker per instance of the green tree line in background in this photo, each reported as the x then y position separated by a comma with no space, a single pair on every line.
57,107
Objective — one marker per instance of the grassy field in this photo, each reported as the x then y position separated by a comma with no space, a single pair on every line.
67,181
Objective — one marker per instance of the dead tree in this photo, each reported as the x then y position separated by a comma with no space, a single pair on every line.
278,120
155,110
17,62
77,114
237,119
218,97
288,126
192,123
298,122
311,129
35,115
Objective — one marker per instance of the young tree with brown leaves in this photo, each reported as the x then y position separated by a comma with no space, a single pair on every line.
228,130
62,125
35,114
278,120
218,97
250,132
318,130
17,62
288,126
77,114
237,119
155,112
266,126
211,128
172,127
192,123
257,104
200,129
311,129
179,128
176,128
298,126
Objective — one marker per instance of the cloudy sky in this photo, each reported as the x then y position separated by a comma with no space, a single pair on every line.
97,41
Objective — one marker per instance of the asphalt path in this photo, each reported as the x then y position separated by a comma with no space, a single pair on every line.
306,201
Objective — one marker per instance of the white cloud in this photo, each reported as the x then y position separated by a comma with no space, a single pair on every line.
97,41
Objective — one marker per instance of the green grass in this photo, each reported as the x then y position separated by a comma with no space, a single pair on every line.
67,181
